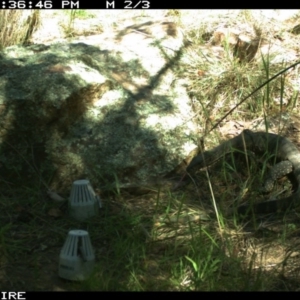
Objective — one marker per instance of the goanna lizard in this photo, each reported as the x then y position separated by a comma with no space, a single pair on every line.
287,156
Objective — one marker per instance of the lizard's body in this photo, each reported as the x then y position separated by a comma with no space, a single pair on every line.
285,151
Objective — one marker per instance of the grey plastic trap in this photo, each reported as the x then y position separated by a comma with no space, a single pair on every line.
84,203
77,259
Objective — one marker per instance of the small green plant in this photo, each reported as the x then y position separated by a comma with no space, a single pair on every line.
83,14
73,14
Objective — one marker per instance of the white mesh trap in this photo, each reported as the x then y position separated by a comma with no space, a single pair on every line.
77,259
84,202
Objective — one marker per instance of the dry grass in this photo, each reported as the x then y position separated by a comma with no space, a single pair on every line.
17,26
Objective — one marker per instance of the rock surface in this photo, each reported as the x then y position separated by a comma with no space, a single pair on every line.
109,109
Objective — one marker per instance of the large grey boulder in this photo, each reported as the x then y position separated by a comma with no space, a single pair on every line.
109,109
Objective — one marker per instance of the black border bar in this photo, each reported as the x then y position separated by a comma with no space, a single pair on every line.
134,4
